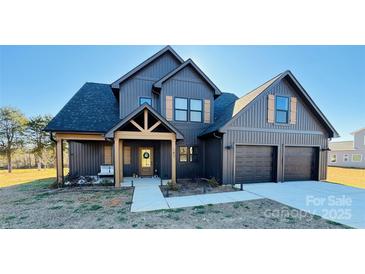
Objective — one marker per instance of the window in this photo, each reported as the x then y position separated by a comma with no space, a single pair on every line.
345,157
143,100
181,109
356,157
364,140
196,108
188,154
183,154
333,158
282,109
193,154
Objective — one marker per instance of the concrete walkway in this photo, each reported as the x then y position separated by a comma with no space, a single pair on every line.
339,203
148,196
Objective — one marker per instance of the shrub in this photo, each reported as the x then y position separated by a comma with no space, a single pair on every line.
213,182
171,186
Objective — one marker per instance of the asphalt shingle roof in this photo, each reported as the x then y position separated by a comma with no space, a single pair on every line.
228,106
93,108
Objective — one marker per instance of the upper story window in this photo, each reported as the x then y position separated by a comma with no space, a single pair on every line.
181,109
147,100
282,109
196,108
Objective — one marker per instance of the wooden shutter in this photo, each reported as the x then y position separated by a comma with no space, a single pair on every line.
169,108
107,154
206,111
293,110
127,155
270,108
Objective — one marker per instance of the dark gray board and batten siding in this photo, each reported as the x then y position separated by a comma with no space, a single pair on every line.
85,158
140,84
251,127
188,84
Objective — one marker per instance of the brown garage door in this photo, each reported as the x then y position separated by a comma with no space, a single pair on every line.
301,163
255,164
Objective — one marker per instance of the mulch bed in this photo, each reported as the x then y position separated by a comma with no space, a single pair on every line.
189,187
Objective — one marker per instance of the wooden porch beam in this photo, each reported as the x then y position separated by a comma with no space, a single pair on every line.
137,125
173,161
144,135
154,126
77,136
145,114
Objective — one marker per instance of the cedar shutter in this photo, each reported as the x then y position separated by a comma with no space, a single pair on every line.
127,155
293,110
169,108
207,111
270,108
107,154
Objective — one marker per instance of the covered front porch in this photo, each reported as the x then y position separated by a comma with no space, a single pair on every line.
141,145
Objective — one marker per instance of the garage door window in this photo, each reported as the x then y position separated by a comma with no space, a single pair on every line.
282,109
333,158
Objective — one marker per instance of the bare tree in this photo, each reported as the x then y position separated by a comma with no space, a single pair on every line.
38,139
12,127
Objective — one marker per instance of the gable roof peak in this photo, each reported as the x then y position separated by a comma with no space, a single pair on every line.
158,85
148,61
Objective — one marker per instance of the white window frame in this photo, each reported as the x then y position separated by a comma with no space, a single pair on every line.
357,154
335,158
346,156
364,140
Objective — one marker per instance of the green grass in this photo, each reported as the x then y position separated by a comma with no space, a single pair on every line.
55,207
94,207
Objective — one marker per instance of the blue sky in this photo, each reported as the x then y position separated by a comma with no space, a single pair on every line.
41,79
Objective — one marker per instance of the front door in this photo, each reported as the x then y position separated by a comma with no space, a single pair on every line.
146,161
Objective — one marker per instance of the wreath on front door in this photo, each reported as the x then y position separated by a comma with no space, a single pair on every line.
146,155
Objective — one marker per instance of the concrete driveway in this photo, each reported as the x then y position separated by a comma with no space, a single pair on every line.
339,203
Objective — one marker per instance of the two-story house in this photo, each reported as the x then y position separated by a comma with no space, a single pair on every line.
166,118
348,153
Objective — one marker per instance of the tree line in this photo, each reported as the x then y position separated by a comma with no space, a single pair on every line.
21,134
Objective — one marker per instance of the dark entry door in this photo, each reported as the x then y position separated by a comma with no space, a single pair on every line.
146,161
300,163
255,164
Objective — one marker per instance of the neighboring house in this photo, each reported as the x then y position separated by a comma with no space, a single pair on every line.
348,153
167,118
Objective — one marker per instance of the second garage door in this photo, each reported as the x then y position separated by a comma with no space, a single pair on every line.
301,163
255,164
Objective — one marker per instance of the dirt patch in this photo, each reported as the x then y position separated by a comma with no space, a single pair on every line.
35,206
193,187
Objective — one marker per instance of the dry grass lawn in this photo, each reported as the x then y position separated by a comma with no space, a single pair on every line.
21,176
347,176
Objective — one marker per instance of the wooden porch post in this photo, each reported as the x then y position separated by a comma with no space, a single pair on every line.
59,161
173,160
121,160
116,162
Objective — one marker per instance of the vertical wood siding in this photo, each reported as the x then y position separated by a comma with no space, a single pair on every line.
85,158
213,158
254,116
188,84
141,84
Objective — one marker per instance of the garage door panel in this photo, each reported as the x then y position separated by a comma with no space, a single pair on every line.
301,163
255,164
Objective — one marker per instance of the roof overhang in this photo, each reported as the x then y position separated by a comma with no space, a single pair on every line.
158,85
115,84
129,117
